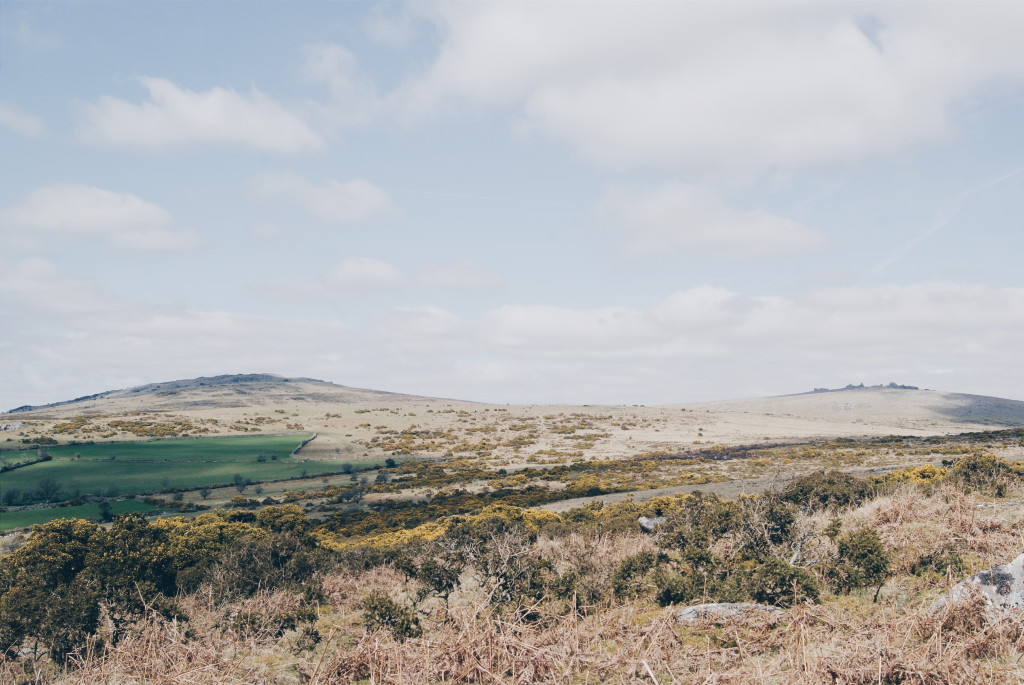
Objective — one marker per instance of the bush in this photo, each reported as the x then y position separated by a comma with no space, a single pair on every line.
945,560
713,584
248,565
496,547
776,582
678,589
983,472
627,577
699,522
827,489
380,612
861,561
261,624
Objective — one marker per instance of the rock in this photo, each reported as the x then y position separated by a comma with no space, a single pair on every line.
650,525
1001,586
723,610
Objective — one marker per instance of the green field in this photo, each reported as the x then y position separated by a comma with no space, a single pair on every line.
237,449
161,465
124,477
20,519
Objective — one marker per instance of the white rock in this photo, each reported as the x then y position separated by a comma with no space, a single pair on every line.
723,610
650,525
1001,586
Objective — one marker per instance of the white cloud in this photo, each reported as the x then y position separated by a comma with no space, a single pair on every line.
81,211
462,277
175,116
20,121
331,202
66,338
418,332
893,325
390,25
359,275
353,99
694,87
39,287
680,215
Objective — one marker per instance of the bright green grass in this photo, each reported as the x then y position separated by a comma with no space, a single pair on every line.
21,519
234,449
80,476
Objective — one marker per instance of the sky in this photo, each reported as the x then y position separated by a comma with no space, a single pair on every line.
526,202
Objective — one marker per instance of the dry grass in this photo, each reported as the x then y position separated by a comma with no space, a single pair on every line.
845,640
816,644
912,524
630,644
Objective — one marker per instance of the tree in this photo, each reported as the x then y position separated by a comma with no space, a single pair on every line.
105,513
240,482
11,496
48,488
204,492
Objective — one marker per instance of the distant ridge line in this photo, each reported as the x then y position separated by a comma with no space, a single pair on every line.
861,386
170,388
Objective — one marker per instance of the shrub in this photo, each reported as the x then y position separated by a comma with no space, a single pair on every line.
700,520
945,560
919,475
496,546
380,612
861,561
983,472
626,579
261,624
250,564
677,589
710,584
286,518
827,489
776,582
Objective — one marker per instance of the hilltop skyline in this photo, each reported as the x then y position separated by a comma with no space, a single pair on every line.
529,203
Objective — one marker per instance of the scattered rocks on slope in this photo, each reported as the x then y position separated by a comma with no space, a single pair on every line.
723,610
1001,586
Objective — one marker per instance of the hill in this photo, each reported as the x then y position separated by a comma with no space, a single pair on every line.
395,422
216,392
860,410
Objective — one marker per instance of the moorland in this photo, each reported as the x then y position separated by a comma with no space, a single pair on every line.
263,529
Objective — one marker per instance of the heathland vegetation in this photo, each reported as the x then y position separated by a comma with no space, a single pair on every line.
459,543
445,572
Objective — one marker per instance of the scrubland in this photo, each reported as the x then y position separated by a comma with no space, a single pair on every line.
507,594
468,543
